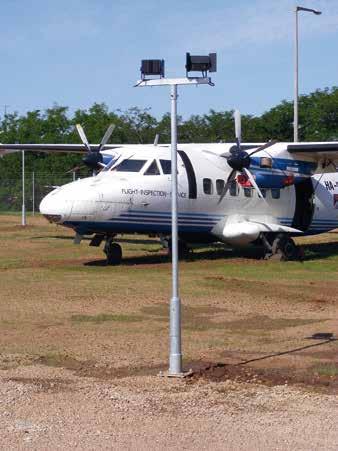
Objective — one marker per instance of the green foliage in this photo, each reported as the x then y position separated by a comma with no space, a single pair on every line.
318,114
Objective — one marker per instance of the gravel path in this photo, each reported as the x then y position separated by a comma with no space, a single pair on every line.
49,408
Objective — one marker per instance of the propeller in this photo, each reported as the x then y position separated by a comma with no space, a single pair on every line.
93,159
239,160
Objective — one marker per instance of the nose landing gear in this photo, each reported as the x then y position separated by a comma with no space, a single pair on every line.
113,252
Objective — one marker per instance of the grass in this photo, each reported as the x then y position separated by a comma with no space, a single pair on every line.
54,295
329,370
103,317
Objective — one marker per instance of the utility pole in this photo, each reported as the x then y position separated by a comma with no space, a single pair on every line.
296,74
5,117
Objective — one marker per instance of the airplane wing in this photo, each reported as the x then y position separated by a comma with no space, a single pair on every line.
54,148
324,153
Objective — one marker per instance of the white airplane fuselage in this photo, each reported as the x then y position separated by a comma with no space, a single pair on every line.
139,201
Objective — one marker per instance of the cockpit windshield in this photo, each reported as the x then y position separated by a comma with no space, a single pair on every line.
130,166
166,166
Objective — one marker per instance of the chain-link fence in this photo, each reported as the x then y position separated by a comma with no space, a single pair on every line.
36,186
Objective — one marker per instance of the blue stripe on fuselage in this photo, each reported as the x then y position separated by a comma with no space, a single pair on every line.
285,164
88,227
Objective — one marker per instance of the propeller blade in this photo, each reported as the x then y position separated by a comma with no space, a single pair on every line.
75,169
263,147
275,161
106,136
238,128
232,176
83,137
253,183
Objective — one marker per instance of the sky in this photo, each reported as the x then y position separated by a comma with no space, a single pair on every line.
77,52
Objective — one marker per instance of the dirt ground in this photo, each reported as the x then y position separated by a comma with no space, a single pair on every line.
82,345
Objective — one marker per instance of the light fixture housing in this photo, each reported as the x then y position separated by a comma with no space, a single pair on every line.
201,63
152,67
314,11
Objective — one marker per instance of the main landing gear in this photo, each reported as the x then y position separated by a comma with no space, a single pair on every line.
113,252
183,249
281,247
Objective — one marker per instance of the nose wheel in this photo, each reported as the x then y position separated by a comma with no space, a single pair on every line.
113,252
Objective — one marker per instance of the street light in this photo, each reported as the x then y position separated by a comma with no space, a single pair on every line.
23,208
156,67
295,104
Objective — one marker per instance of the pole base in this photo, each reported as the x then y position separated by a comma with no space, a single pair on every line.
177,375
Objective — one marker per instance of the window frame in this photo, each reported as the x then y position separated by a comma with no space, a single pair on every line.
165,169
154,161
233,183
220,191
211,185
128,160
275,193
248,192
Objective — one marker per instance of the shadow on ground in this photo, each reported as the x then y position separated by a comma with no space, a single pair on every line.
318,251
162,257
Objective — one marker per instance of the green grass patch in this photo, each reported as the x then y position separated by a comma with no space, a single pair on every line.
103,317
329,369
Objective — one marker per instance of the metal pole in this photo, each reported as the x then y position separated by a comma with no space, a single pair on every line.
23,213
5,117
295,104
33,193
74,175
175,359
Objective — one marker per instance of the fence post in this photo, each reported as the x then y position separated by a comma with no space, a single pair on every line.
33,193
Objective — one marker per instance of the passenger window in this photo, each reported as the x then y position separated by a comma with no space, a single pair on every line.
207,186
233,188
248,192
220,184
275,193
153,169
166,166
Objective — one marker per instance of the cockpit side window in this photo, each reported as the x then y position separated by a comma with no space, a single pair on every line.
166,166
153,169
130,166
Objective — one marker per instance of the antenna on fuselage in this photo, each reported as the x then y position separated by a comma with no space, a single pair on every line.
157,138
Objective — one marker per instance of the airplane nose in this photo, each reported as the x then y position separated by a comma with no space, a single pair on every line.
55,207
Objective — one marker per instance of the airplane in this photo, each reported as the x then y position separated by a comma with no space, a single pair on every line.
237,194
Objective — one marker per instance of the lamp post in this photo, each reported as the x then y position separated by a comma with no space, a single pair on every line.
295,104
33,193
23,210
149,68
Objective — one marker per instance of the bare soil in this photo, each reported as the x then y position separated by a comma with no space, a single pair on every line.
82,345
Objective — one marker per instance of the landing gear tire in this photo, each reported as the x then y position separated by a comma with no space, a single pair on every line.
183,250
283,248
113,252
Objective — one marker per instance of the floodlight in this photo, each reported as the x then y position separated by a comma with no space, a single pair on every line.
314,11
152,67
204,64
